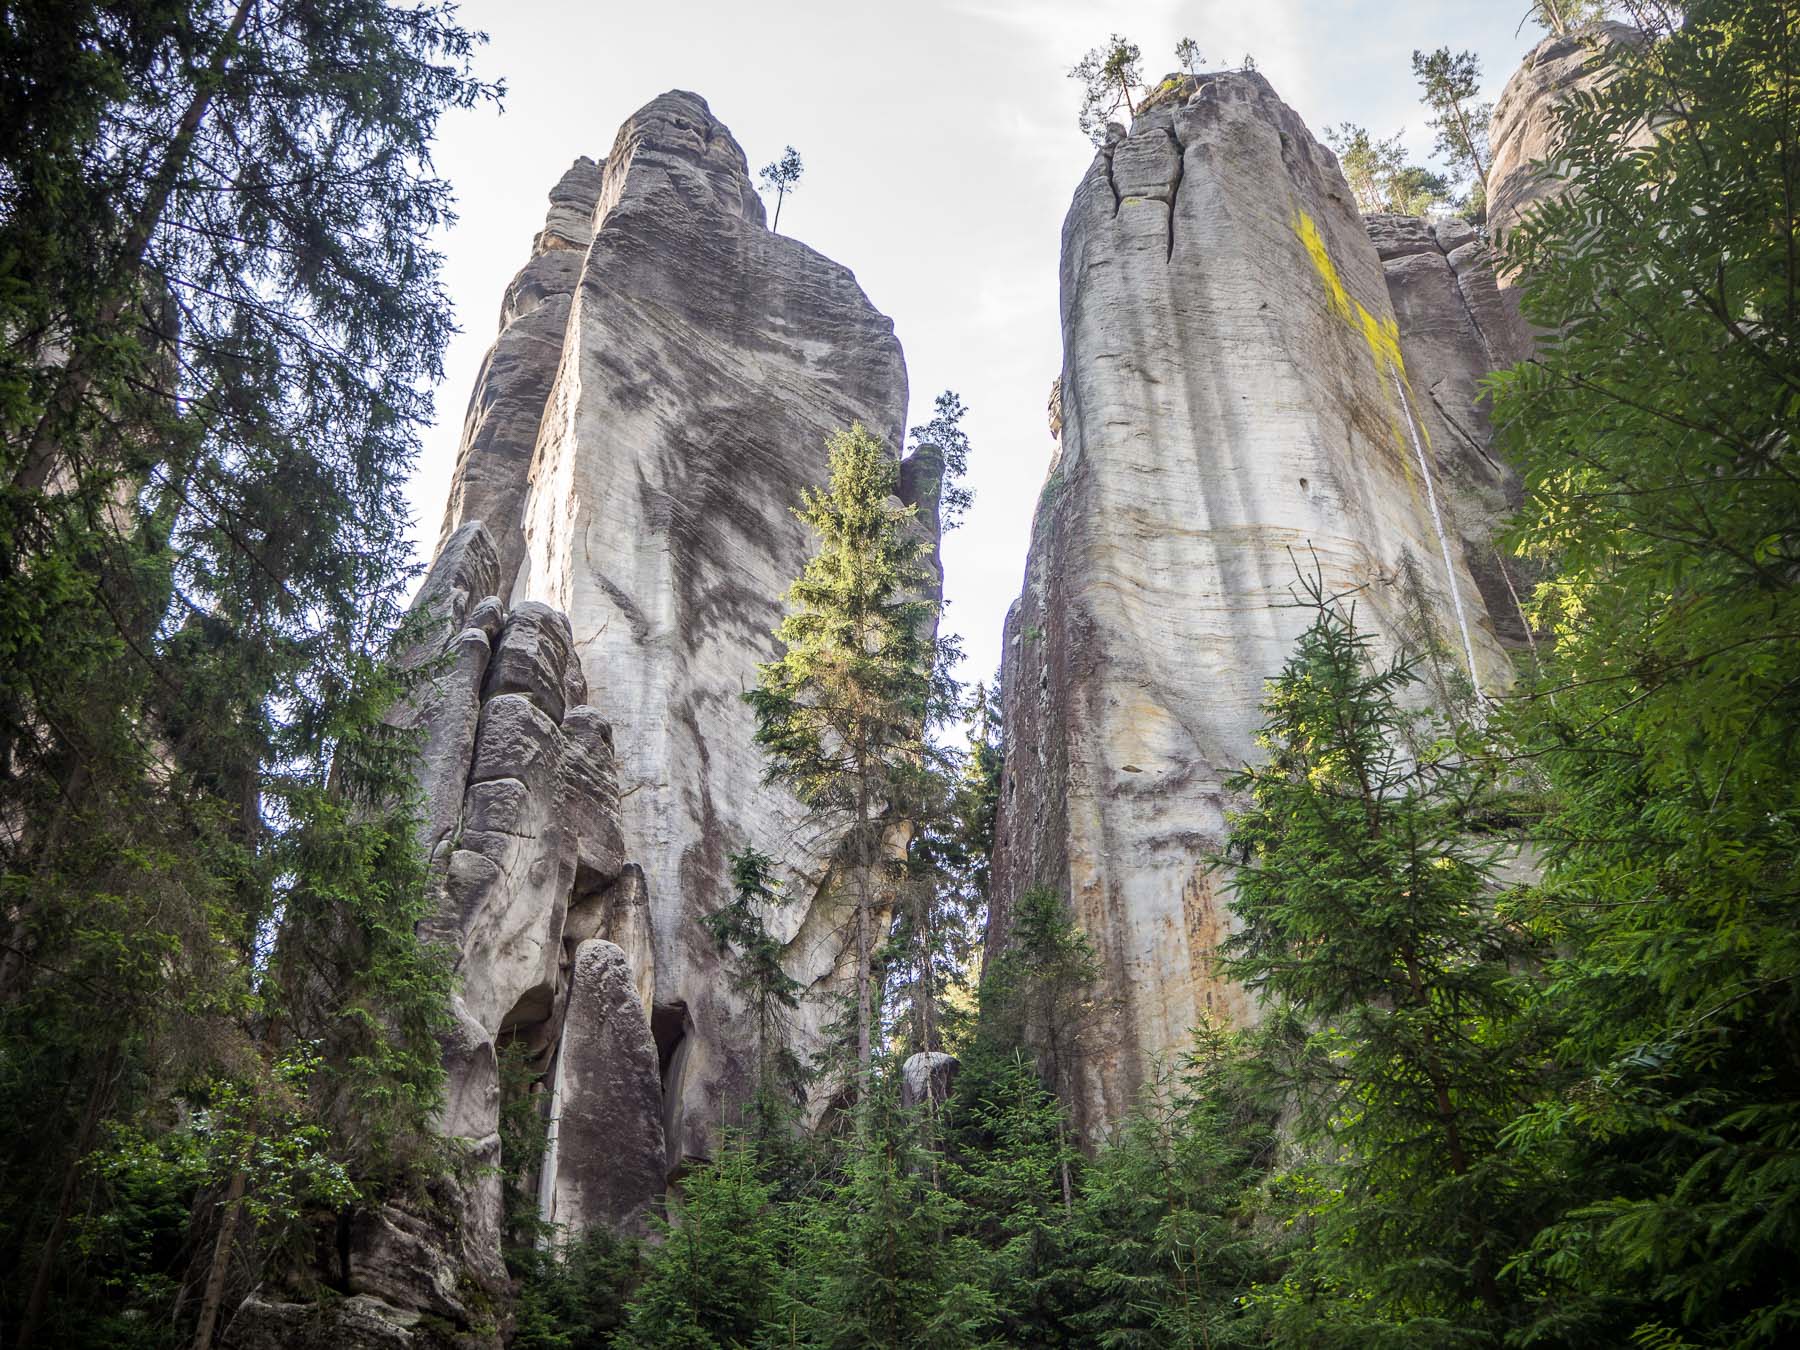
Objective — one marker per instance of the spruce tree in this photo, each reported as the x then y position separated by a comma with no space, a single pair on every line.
1009,1151
1164,1232
741,932
844,713
878,1259
1366,921
711,1281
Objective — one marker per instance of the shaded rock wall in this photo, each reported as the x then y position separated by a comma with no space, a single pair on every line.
521,827
1247,388
500,430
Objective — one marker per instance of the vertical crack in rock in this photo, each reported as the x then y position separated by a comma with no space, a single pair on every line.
1175,186
1462,432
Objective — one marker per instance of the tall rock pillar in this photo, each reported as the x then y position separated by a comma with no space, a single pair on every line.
701,362
1234,409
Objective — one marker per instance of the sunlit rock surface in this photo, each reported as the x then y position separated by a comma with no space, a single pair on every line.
1524,130
1238,406
705,361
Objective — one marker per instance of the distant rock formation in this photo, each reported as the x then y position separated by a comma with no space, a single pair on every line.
1250,388
1523,131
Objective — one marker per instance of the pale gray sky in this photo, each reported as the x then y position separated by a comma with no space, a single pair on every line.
941,152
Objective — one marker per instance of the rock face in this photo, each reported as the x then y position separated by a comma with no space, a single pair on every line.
522,832
928,1076
659,396
500,431
699,364
606,1153
1523,131
620,523
1454,329
1247,390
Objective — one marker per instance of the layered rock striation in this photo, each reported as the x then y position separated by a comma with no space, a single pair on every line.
1251,392
704,362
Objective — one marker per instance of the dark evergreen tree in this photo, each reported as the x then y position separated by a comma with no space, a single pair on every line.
878,1260
772,995
1010,1152
222,313
1166,1234
1366,916
712,1281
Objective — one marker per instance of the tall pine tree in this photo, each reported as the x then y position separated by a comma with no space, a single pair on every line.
843,714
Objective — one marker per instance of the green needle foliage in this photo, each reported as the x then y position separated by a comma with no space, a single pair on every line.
1451,86
1365,917
878,1259
770,992
221,314
945,432
1165,1233
1379,176
843,715
1107,75
1656,430
713,1279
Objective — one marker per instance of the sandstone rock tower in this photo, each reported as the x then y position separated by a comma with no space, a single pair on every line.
618,536
1251,384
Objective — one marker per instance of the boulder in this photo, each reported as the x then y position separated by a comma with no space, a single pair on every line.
605,1163
928,1076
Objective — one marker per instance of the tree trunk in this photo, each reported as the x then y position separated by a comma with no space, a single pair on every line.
864,865
39,1297
221,1262
1462,121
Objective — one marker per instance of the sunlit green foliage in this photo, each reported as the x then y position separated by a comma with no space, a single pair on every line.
1656,430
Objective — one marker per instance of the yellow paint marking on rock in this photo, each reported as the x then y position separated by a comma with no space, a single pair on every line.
1382,335
1383,339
